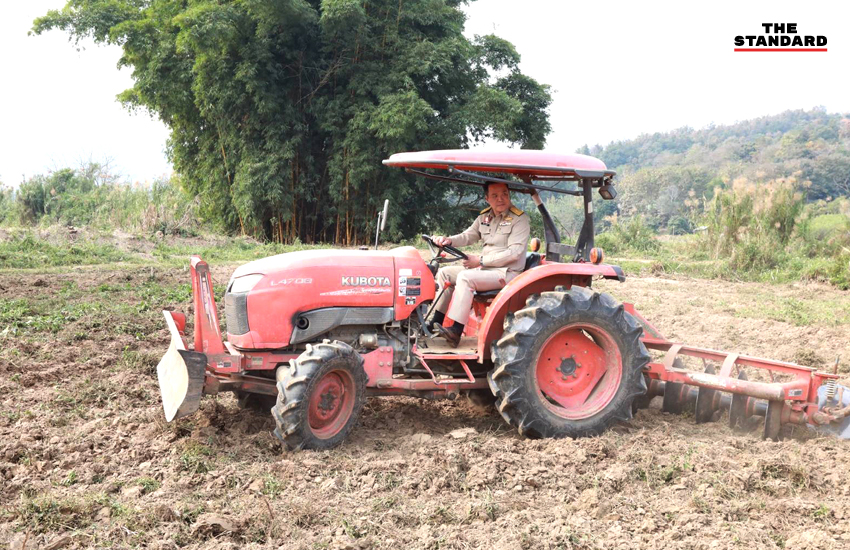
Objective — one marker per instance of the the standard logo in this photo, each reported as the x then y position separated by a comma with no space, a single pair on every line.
780,37
366,281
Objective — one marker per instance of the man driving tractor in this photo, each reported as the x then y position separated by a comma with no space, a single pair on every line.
504,229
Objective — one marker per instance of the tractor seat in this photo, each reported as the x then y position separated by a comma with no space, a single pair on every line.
532,259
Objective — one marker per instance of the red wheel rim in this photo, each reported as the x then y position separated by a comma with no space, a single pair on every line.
578,371
331,403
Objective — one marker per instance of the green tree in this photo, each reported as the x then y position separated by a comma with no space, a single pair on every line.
829,174
7,203
669,177
280,111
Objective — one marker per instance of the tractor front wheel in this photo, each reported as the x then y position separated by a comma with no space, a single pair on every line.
320,396
569,364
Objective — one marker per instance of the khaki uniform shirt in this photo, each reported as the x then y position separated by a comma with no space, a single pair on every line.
505,239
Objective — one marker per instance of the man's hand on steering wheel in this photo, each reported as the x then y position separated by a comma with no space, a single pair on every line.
472,261
444,244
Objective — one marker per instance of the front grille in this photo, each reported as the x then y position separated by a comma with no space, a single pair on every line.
236,312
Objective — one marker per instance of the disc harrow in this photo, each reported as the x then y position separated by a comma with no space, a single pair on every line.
793,394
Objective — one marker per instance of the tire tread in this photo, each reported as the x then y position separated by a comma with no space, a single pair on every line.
513,355
293,383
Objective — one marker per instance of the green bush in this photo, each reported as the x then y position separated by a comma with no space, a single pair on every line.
607,242
633,235
750,225
31,201
92,196
7,205
28,251
829,225
679,225
754,254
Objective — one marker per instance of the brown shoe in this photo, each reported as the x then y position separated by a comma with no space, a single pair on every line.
452,337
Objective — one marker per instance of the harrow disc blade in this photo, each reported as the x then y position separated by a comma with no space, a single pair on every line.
773,421
705,407
738,409
642,401
678,398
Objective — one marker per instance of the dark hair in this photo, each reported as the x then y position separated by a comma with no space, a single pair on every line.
489,183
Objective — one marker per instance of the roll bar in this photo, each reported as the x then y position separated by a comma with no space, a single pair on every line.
555,250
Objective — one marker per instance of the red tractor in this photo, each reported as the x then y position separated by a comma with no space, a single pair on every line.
311,334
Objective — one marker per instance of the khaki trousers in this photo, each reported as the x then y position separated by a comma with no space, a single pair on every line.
466,281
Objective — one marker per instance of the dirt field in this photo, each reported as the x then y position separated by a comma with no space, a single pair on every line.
87,460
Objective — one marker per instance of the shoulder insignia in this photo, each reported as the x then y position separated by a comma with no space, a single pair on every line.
485,210
517,211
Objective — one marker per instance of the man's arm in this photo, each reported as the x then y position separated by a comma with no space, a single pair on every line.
470,236
517,245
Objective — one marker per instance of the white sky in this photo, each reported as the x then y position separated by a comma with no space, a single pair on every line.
618,69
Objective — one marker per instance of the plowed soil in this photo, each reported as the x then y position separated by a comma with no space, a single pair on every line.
86,459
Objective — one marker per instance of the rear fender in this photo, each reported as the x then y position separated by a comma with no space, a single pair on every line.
539,279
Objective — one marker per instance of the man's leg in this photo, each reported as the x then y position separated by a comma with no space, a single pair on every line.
469,281
446,274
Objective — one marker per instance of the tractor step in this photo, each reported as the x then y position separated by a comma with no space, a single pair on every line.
466,349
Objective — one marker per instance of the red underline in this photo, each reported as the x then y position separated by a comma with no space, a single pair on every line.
780,49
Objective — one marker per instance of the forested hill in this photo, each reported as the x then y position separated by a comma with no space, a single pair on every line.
663,175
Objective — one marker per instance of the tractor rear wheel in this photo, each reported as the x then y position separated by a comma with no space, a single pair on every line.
320,396
569,364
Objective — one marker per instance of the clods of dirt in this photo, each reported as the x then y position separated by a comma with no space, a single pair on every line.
86,459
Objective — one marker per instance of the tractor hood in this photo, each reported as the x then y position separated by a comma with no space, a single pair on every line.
319,259
266,297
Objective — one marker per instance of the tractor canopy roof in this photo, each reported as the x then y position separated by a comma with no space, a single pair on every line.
524,163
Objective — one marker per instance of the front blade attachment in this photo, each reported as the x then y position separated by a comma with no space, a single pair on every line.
181,376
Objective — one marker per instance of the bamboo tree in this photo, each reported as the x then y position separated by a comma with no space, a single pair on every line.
302,99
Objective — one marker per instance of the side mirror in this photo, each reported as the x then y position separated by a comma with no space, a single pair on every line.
382,221
384,214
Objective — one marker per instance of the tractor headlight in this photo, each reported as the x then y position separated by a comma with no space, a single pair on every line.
244,283
608,192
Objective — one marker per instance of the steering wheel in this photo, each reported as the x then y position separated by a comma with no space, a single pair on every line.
436,249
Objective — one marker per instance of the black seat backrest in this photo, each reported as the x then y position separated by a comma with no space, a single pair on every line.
532,259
